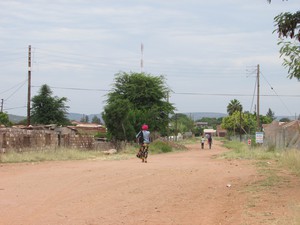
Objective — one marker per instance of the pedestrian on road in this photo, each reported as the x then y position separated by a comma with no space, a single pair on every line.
143,138
209,140
202,141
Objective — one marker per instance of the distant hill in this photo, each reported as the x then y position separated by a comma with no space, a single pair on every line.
71,116
15,118
200,115
78,116
193,115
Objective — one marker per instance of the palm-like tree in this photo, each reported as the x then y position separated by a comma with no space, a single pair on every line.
234,106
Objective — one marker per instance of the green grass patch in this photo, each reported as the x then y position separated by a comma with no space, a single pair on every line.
288,159
291,159
160,147
242,151
268,161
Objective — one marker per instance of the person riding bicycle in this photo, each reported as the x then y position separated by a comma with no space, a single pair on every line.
143,138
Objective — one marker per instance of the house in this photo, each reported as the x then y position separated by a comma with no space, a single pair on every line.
87,128
221,132
211,132
201,124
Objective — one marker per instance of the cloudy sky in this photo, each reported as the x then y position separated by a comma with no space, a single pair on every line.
208,51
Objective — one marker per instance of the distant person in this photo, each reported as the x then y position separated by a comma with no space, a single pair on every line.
143,138
202,141
209,140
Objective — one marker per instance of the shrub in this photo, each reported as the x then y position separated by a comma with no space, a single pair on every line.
159,146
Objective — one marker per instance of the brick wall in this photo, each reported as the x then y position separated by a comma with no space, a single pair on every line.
23,139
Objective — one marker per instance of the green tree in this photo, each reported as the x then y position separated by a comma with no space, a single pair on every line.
212,122
96,120
265,119
47,109
284,120
287,27
84,119
239,122
4,119
270,114
136,98
234,106
181,123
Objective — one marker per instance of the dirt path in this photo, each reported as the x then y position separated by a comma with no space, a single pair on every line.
186,188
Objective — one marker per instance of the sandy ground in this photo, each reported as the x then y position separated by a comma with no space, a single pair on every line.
187,188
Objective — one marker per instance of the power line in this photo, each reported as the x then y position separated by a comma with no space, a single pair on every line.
173,92
75,89
177,93
277,95
20,107
227,94
21,83
253,96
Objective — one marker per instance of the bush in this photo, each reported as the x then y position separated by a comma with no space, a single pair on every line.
159,146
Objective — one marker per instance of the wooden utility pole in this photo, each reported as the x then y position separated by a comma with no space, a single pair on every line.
142,57
29,85
2,105
257,107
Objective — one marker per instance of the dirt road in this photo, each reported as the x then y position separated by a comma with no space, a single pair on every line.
186,188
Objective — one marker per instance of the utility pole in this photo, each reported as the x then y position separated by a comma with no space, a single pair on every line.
142,57
257,107
168,128
240,125
2,105
29,85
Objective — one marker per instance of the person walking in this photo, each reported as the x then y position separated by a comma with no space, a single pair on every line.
143,138
209,140
202,141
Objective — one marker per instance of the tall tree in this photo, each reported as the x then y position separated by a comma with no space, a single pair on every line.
271,114
84,119
181,123
234,106
4,119
287,27
47,109
239,123
136,98
96,120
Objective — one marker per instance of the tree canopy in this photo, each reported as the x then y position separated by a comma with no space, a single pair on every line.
4,119
287,27
243,122
234,106
238,122
271,114
181,123
47,109
136,98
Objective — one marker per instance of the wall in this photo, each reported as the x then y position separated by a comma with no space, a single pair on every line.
24,139
283,135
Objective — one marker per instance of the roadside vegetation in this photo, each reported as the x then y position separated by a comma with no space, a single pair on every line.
64,154
288,159
272,166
